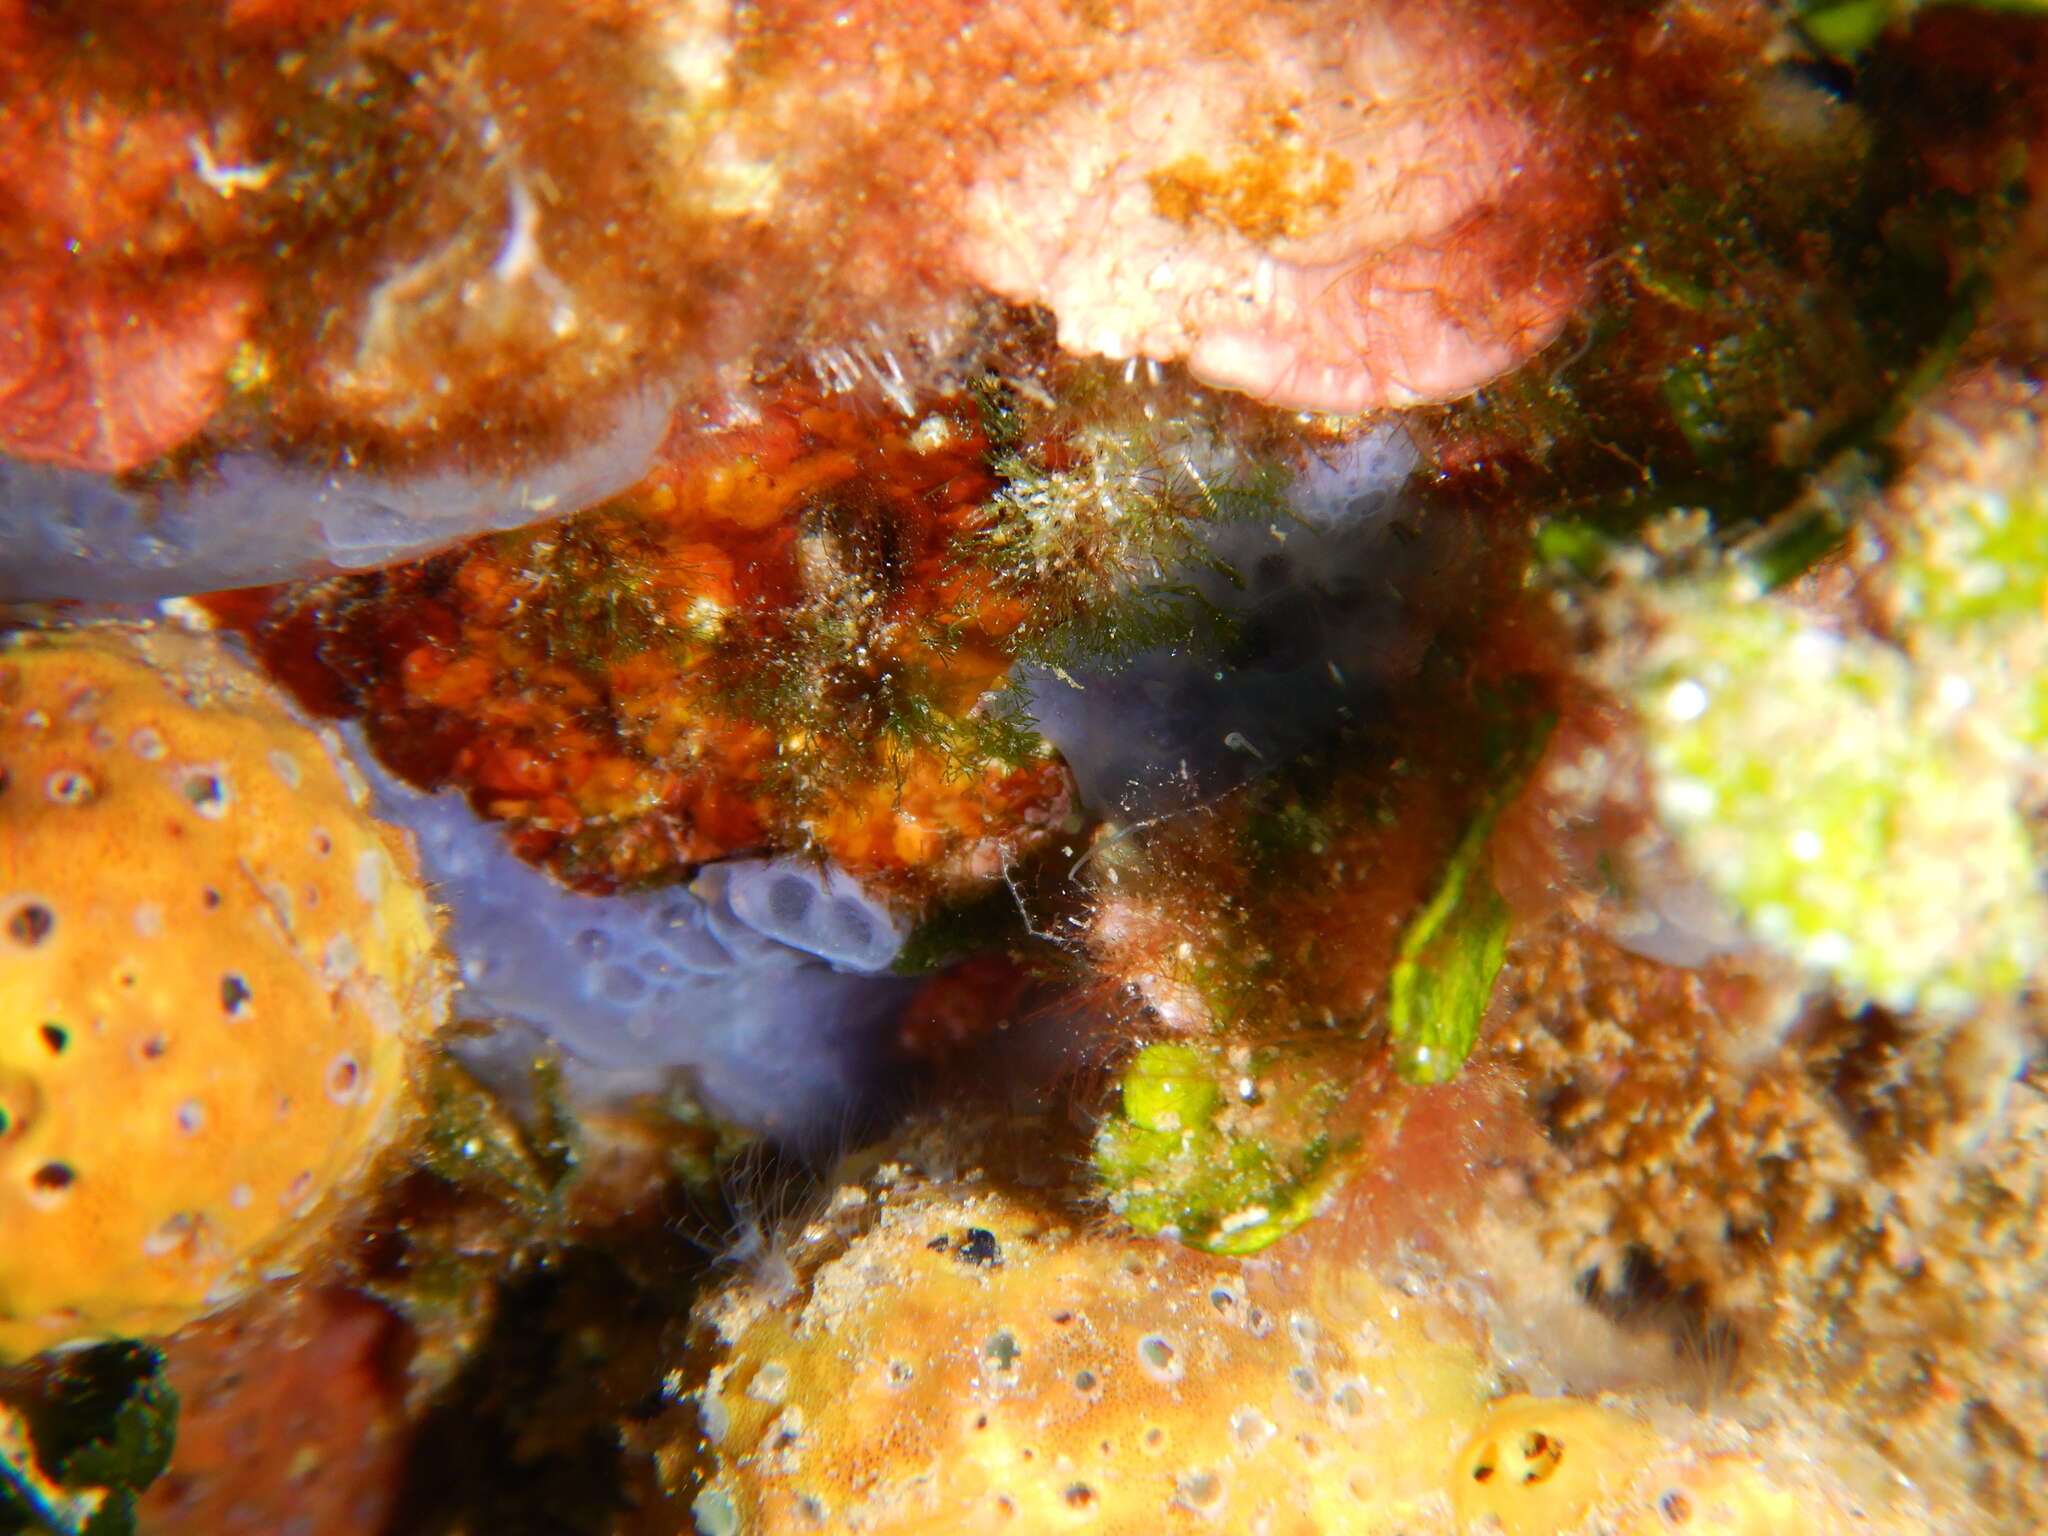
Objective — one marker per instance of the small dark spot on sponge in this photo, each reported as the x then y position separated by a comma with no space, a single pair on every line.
979,1246
30,924
53,1178
207,794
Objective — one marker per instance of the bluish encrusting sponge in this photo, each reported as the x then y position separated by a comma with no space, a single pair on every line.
766,981
1320,623
248,519
818,909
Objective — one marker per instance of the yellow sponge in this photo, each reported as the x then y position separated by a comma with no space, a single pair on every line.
1556,1466
969,1363
213,963
932,1357
1540,1465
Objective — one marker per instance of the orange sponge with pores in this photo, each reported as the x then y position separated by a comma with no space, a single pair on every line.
213,966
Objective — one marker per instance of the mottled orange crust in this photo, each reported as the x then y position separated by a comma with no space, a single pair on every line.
327,225
475,229
107,375
1216,922
213,969
777,640
290,1417
963,1006
118,315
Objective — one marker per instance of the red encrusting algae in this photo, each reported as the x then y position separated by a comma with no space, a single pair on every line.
781,639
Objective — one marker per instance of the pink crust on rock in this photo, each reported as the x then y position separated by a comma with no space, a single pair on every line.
1329,207
105,375
117,322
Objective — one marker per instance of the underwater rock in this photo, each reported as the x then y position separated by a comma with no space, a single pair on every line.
286,292
217,966
1706,1087
786,638
290,1418
1842,1200
1855,811
287,274
961,1352
1851,770
1324,209
766,979
1284,905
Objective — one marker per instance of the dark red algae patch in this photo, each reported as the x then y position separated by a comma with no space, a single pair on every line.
783,637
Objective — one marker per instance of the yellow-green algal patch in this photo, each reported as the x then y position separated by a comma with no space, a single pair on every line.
1856,807
1227,1149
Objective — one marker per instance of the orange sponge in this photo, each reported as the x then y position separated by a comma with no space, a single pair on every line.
213,963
